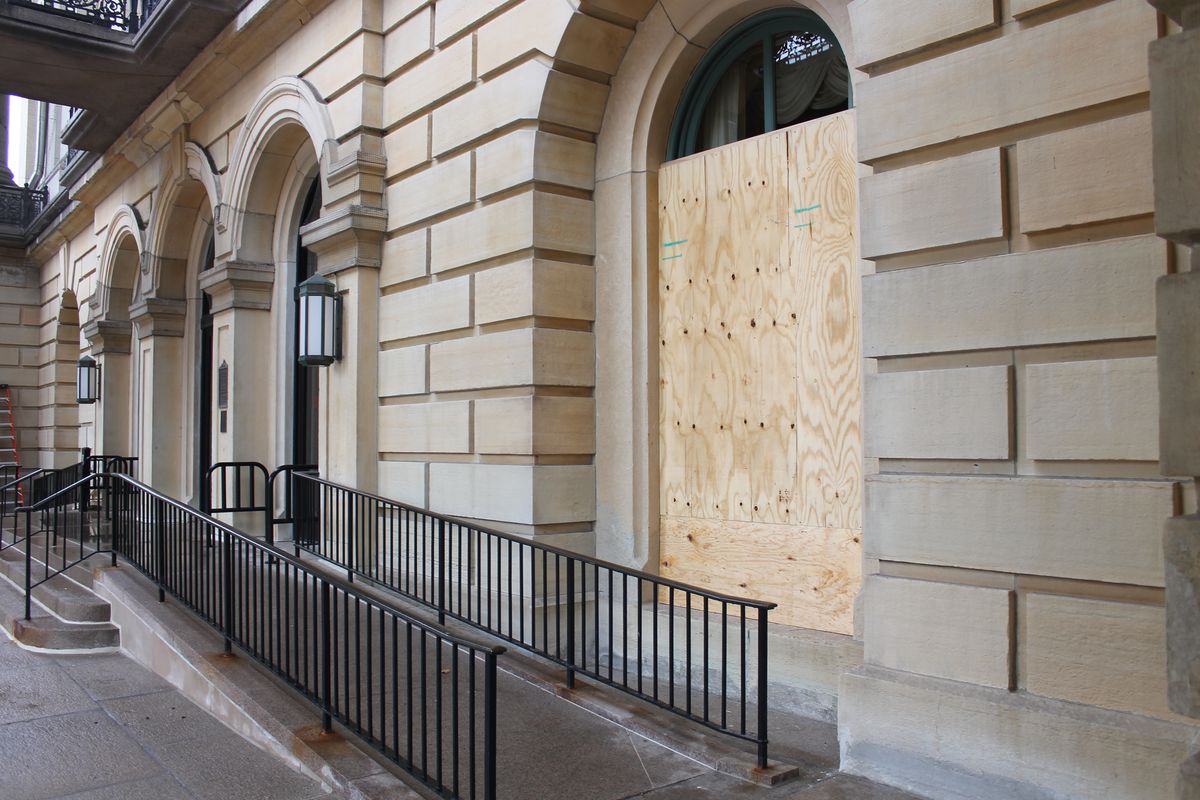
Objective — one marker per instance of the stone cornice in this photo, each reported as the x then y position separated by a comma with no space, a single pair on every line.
239,284
347,238
158,316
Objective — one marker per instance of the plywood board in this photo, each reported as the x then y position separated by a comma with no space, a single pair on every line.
813,574
824,255
760,400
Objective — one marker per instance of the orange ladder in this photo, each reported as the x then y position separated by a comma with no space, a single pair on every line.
10,459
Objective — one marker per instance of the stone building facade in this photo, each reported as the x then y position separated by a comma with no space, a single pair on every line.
480,179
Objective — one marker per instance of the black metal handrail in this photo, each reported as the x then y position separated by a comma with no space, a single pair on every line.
50,481
20,205
572,609
239,490
11,498
69,519
285,516
423,697
366,663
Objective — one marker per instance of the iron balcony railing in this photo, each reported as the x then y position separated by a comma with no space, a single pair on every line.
20,205
682,648
423,697
127,16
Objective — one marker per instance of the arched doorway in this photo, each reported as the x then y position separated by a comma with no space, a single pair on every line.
204,377
109,333
801,545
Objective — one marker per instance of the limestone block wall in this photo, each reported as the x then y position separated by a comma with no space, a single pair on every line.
1012,527
21,343
486,367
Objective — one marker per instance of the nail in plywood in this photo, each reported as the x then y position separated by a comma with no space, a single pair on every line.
759,366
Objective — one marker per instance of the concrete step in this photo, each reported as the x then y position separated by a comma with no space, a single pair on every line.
61,595
51,633
47,632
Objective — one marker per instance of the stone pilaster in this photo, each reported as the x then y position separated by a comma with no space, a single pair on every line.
1175,118
242,336
159,324
347,243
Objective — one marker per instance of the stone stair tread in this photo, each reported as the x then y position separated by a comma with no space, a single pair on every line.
59,595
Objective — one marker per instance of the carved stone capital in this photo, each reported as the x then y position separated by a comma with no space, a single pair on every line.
158,316
347,238
108,336
239,284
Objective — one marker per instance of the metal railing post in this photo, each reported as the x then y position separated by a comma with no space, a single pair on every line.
441,572
160,545
570,623
326,659
762,688
227,559
28,561
489,726
351,535
114,515
86,469
269,515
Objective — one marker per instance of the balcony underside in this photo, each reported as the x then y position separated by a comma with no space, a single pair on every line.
110,74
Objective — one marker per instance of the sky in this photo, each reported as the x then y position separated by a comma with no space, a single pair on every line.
16,137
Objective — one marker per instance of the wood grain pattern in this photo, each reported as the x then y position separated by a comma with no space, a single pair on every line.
822,170
813,574
760,367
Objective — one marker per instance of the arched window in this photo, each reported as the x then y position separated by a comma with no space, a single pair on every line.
774,70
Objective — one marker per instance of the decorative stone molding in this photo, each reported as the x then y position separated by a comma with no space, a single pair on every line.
286,101
108,336
158,316
346,238
359,177
239,284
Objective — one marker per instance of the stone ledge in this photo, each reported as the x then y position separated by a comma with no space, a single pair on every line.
948,740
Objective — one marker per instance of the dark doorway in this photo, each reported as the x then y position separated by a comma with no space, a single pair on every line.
305,395
204,418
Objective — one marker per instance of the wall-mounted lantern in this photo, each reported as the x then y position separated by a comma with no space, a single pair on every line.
87,380
320,322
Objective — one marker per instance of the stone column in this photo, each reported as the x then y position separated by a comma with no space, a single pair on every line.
159,324
348,245
109,340
1175,118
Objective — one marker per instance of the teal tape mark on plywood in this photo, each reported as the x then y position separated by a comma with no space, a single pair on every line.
672,244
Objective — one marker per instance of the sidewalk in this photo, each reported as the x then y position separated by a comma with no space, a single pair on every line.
100,726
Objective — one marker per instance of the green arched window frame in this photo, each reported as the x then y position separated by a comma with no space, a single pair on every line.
685,128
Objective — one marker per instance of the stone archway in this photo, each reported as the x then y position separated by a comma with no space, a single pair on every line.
630,147
285,144
178,236
109,332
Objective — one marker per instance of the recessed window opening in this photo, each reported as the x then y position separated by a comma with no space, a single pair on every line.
775,70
